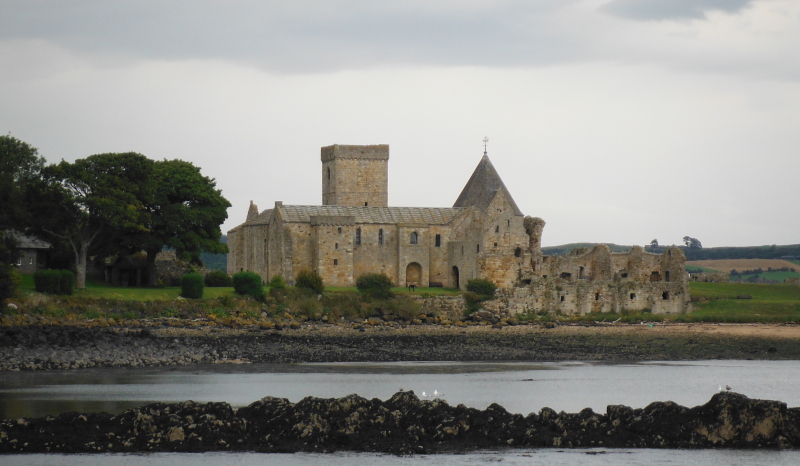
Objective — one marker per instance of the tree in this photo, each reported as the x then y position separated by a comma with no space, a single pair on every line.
654,243
20,164
184,211
103,193
692,243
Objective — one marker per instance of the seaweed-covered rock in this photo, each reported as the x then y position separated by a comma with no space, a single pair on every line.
403,424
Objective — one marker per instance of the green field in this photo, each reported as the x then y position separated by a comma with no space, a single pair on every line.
718,302
778,276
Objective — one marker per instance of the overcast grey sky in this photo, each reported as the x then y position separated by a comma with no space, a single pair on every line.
614,120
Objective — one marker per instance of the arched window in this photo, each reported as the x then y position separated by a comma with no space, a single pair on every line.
414,238
358,236
380,237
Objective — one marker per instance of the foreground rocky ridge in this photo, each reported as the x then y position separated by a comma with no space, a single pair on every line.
47,347
403,424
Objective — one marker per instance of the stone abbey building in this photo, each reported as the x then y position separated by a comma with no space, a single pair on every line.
484,235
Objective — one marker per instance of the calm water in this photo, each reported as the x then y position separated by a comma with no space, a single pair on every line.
520,387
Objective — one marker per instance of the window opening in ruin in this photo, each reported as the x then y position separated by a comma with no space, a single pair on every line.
562,299
414,238
655,276
497,229
633,295
336,262
509,223
665,295
340,230
366,204
380,237
455,276
329,173
544,276
624,274
518,252
597,296
527,281
336,246
495,244
478,248
580,273
566,275
666,275
358,236
438,240
462,250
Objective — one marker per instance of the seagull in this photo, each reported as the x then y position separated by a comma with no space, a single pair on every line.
727,387
436,393
720,387
424,395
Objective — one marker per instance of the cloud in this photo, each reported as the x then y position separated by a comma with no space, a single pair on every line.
649,10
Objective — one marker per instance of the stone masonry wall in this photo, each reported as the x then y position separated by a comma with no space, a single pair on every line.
355,175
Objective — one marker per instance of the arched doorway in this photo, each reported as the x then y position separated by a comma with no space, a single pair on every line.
455,276
414,274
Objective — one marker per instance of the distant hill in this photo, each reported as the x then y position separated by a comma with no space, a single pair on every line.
785,252
216,261
565,249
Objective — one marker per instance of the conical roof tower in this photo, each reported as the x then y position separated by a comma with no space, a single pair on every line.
483,186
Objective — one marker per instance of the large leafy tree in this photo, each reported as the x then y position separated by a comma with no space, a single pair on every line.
184,211
101,194
20,165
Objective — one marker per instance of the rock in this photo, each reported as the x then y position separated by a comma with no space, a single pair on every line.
403,424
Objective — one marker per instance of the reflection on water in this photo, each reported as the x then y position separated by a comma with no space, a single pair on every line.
550,457
519,387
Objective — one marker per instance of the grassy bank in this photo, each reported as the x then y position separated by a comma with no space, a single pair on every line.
712,302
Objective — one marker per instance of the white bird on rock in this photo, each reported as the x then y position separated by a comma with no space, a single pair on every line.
424,395
436,393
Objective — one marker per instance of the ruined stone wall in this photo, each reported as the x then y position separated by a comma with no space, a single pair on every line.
504,240
355,175
583,297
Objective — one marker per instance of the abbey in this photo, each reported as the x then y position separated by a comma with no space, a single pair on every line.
484,235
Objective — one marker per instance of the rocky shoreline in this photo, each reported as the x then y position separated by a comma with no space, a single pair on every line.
403,424
52,347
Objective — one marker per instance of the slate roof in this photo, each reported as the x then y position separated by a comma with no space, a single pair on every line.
28,242
362,214
483,186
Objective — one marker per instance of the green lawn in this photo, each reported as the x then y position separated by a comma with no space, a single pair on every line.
779,276
768,303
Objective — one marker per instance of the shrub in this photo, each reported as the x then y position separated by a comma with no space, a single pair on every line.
66,283
403,306
218,279
482,287
310,280
249,284
47,281
277,283
375,285
310,307
192,285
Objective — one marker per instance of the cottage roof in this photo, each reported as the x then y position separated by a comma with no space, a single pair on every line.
483,186
364,214
28,242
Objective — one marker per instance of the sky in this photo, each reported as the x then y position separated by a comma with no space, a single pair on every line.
618,121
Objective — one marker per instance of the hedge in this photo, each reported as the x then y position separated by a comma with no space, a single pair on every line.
47,281
218,279
311,280
249,284
192,285
375,285
66,283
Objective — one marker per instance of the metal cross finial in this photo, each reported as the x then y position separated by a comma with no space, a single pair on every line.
485,142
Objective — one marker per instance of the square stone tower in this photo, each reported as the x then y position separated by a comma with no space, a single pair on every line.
355,175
